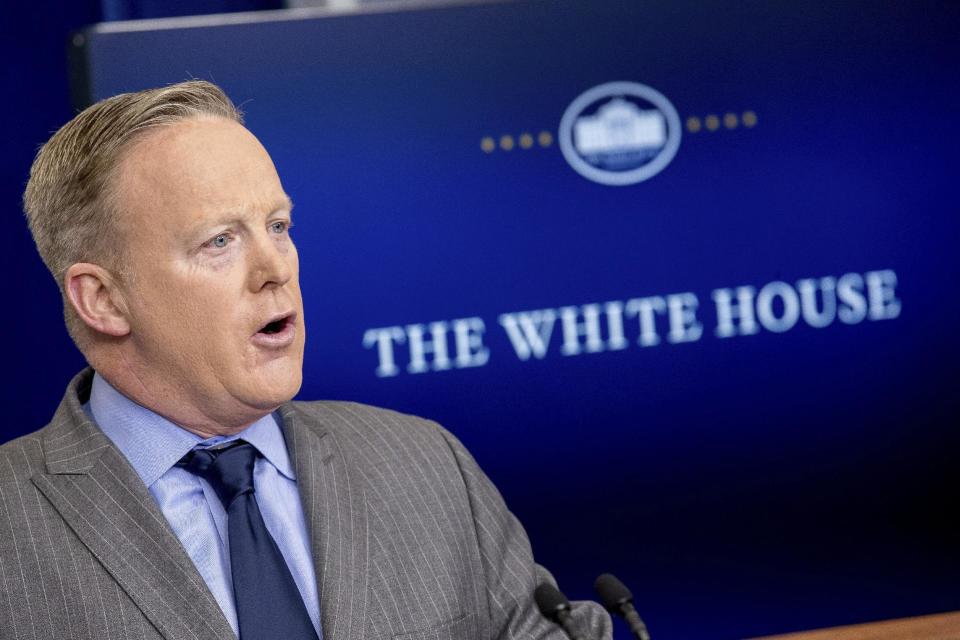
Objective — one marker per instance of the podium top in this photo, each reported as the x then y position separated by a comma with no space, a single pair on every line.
943,626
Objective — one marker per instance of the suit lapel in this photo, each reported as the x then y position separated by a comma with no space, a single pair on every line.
335,506
104,502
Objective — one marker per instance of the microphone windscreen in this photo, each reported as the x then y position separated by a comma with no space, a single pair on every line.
613,593
549,600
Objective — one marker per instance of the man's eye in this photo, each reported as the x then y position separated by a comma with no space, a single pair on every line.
279,226
220,241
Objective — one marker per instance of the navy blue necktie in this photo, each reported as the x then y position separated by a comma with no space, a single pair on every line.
269,605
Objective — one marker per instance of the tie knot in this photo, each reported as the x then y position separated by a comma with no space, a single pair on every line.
229,470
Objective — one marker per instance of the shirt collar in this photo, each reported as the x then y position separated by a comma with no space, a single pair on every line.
154,444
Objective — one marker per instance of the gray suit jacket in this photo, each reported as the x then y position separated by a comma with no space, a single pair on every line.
410,539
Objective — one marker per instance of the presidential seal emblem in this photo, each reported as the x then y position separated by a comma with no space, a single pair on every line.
619,133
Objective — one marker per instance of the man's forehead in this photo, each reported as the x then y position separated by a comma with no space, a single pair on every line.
194,145
200,169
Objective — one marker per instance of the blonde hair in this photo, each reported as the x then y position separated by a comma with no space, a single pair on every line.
69,200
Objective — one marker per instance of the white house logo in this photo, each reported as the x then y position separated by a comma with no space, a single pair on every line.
620,133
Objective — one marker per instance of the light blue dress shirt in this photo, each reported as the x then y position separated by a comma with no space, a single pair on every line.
153,445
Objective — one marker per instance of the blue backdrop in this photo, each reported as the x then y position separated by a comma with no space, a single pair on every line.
651,373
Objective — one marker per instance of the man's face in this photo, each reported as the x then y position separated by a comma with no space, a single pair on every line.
213,294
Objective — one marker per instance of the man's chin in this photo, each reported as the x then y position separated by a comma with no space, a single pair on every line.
276,386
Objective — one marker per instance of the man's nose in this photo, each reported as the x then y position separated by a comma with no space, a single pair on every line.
270,263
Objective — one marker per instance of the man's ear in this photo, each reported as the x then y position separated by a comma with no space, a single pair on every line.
95,297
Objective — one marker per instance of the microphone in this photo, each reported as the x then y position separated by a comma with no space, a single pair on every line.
555,606
617,599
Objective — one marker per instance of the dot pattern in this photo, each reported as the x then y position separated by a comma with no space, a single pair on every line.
526,140
713,122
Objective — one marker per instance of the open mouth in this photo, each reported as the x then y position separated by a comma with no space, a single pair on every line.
276,326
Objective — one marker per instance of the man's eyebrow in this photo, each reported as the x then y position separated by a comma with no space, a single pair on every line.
231,217
286,204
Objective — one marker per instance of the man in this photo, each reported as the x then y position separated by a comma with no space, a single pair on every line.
177,492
